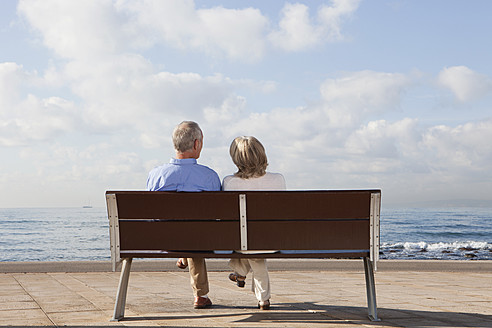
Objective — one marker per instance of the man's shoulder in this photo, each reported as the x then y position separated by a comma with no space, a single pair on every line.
206,177
160,168
206,169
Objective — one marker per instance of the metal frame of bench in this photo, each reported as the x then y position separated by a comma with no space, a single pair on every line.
370,256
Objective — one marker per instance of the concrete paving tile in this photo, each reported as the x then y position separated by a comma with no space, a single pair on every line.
25,317
153,306
424,323
332,311
245,302
393,314
15,297
178,319
456,317
85,293
293,318
466,308
100,301
64,303
147,323
70,282
82,318
18,305
11,287
6,279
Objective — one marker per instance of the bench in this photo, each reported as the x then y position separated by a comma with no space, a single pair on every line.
296,224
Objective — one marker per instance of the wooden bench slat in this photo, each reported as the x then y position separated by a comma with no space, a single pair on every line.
223,235
302,205
314,235
177,205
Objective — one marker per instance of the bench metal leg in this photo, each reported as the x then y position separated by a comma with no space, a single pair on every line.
119,307
371,290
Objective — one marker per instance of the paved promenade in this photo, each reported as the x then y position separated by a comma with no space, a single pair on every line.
306,293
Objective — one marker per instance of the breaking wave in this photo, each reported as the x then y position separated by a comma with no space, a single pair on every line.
479,250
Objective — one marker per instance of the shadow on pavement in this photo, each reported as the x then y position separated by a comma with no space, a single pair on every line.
311,313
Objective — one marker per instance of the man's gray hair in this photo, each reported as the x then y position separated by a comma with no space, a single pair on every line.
185,134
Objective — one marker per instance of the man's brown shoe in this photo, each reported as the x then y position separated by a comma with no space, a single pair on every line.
202,302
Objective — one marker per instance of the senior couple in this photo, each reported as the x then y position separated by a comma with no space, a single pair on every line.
183,173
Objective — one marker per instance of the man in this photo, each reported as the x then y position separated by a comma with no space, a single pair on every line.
183,173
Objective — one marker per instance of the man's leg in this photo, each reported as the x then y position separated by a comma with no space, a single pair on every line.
198,276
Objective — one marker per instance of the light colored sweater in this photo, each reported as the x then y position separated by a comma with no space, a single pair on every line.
270,181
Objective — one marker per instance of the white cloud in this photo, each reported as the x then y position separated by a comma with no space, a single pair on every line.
350,99
297,31
95,29
123,92
385,140
227,112
77,29
37,120
345,104
217,31
466,84
464,146
239,33
11,78
60,175
235,33
100,162
331,17
26,117
118,96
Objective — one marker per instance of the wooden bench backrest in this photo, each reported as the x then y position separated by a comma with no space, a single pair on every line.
276,220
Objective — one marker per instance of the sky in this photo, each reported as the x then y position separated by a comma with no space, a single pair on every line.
393,95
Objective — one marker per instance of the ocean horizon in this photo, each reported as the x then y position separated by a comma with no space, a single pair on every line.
82,234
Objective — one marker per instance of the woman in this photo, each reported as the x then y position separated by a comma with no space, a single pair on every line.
250,158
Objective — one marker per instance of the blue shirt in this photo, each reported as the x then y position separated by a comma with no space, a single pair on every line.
183,175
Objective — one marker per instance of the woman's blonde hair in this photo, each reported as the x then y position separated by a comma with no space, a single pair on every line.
249,156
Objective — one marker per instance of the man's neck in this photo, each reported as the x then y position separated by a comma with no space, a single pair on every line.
185,155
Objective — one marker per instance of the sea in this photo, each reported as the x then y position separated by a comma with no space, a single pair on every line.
82,234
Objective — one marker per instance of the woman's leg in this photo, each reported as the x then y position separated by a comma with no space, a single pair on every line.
240,266
261,280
